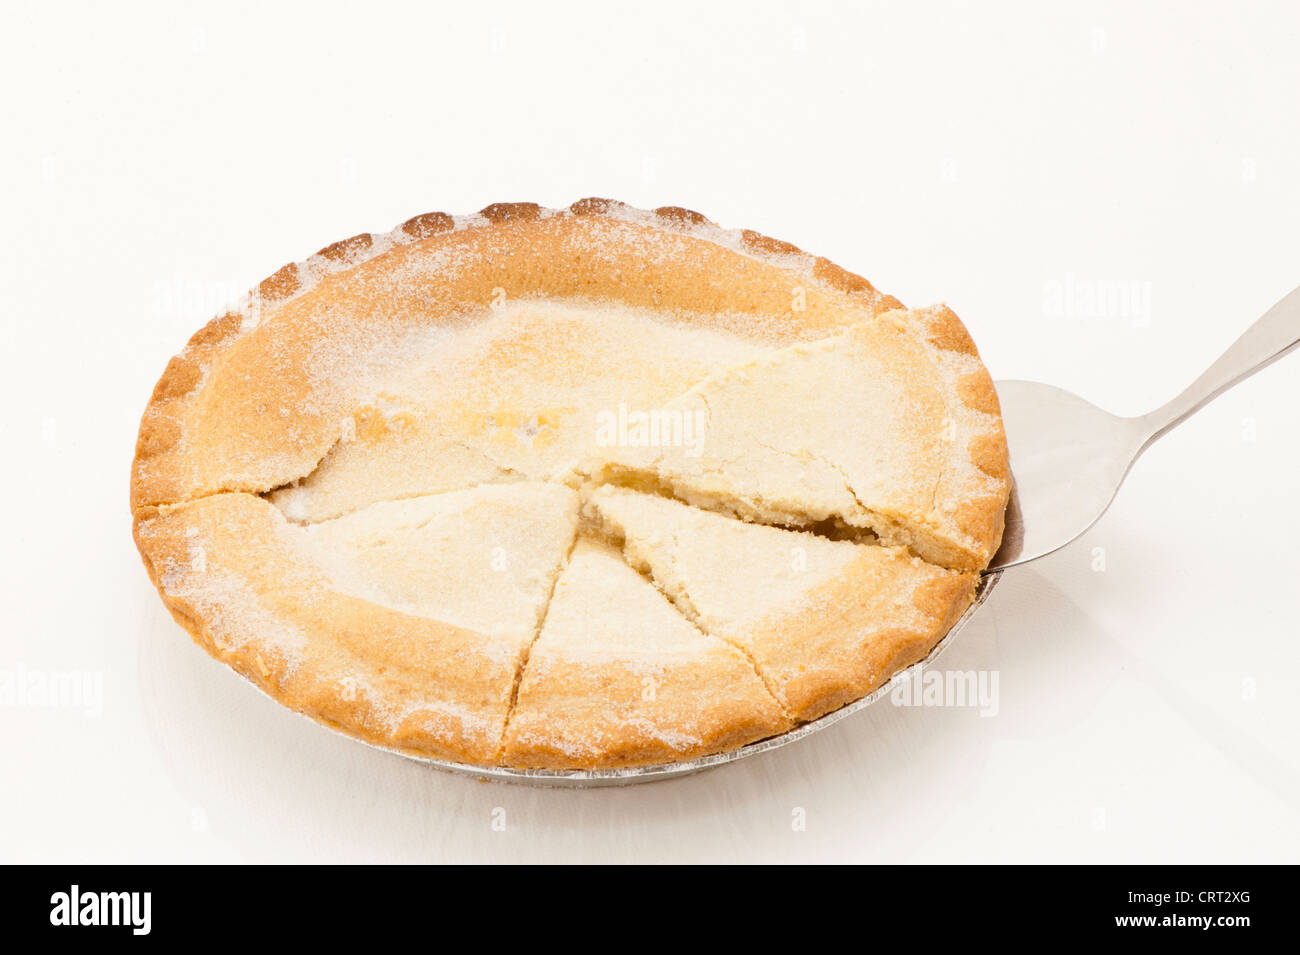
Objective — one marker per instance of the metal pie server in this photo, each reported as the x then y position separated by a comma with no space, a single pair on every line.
1068,457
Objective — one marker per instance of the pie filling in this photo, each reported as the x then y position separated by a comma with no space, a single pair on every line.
576,533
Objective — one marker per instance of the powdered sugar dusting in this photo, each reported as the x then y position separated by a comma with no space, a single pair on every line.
233,613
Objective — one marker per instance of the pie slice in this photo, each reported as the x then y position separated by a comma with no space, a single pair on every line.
824,621
619,678
872,429
402,622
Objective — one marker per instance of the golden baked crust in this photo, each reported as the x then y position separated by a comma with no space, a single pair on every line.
440,387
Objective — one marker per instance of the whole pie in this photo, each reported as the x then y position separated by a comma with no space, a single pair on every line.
569,489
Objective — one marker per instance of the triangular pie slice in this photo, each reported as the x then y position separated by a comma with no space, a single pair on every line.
824,621
405,625
618,677
873,428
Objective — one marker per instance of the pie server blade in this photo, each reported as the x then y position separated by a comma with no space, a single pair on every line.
1069,457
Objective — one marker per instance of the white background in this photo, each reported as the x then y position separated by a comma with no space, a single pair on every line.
156,164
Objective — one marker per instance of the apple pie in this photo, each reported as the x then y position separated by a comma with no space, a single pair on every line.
569,489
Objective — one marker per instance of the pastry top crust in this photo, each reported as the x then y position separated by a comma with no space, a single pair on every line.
320,471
